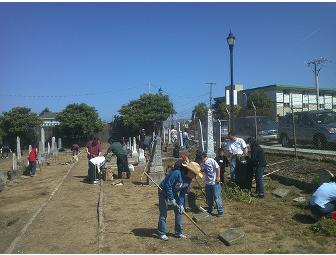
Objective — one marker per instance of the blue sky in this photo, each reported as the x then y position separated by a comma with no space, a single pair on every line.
104,54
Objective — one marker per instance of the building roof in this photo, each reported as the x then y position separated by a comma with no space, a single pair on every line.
291,87
48,115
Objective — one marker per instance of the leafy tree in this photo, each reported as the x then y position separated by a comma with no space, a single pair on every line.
200,112
19,121
261,101
146,112
221,110
44,111
78,122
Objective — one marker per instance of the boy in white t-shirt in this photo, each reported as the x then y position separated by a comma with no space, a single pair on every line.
235,147
213,188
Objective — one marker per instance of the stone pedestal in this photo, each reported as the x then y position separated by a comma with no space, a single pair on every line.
156,171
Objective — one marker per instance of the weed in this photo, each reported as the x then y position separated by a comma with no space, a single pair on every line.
237,194
325,226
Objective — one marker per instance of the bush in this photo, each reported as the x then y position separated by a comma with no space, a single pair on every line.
237,194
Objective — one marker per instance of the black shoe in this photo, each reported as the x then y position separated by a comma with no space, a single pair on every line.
261,195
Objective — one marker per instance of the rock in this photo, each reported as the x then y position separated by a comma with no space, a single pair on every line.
202,216
280,192
299,199
231,236
117,182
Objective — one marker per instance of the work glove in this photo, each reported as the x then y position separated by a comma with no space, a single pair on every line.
181,209
173,201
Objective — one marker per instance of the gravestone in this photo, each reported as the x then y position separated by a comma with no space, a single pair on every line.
179,134
53,139
56,149
210,148
48,151
142,158
280,192
202,216
169,136
218,134
130,143
134,151
14,163
156,171
40,150
299,199
231,236
59,143
18,148
200,136
29,149
43,140
164,134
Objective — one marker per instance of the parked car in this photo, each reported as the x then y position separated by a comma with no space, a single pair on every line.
312,127
267,128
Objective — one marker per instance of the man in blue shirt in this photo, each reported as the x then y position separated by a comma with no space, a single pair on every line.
174,188
323,201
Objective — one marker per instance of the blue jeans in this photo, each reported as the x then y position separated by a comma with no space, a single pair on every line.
163,206
186,143
259,172
233,164
32,167
213,193
326,211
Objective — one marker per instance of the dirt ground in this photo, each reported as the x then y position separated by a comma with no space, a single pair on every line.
68,222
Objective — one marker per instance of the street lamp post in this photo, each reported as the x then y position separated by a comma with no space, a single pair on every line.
231,41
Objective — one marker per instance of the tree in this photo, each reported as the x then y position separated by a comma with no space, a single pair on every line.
261,101
200,111
19,121
44,111
146,112
222,110
78,122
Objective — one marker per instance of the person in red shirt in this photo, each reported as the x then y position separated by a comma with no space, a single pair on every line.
93,149
32,158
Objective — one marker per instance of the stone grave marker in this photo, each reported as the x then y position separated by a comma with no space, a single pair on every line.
134,151
18,148
59,143
201,216
156,171
29,149
43,140
53,139
14,163
164,134
210,147
142,158
231,236
299,199
200,136
280,192
48,151
169,136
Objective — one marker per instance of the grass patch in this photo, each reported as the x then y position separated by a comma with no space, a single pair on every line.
325,226
237,194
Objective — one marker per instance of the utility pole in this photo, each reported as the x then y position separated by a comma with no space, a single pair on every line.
210,99
316,65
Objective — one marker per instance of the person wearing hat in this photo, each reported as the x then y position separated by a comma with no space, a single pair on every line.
174,188
213,189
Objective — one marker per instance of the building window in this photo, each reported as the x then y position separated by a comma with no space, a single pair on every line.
321,106
305,105
286,104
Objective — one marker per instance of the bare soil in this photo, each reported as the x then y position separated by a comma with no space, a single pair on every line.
68,223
